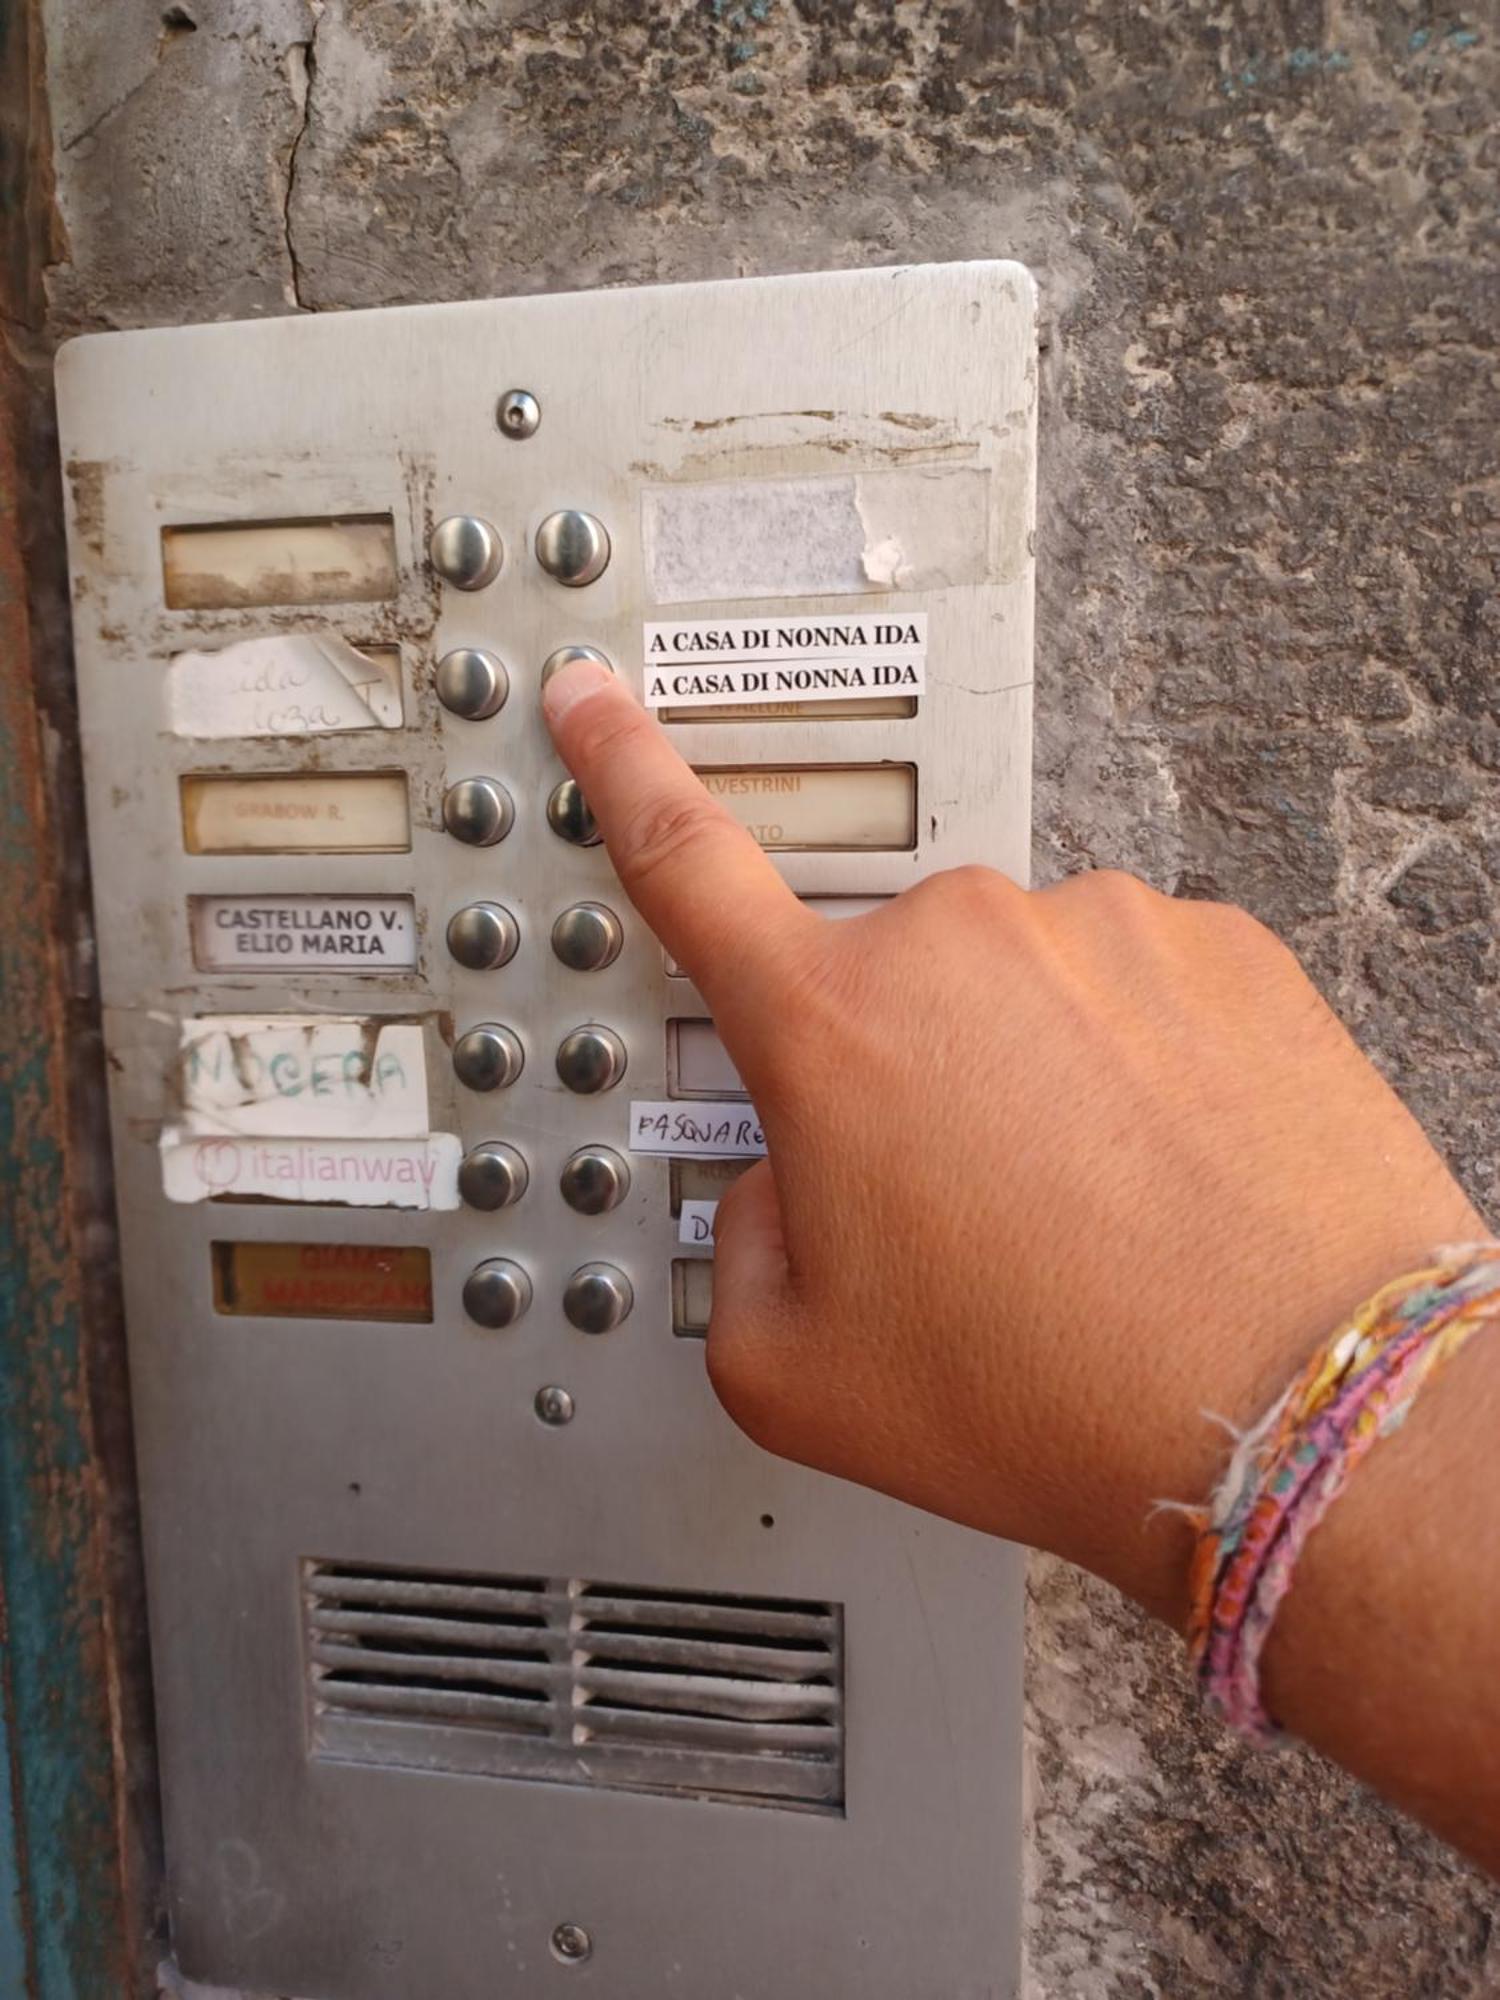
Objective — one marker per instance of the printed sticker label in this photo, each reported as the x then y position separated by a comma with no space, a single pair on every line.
710,662
358,1173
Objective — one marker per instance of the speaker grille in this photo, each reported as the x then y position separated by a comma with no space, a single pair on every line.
577,1682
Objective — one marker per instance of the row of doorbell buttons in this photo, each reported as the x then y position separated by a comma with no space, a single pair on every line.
482,937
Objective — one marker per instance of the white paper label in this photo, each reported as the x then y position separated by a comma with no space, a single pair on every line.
694,1131
303,1078
357,1173
695,1223
712,662
303,933
296,684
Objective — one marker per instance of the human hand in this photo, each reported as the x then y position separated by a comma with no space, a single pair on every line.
1050,1175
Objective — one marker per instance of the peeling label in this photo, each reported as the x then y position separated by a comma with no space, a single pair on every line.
696,1131
305,1078
712,662
926,529
358,1173
296,684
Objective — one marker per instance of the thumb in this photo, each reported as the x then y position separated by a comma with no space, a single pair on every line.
749,1327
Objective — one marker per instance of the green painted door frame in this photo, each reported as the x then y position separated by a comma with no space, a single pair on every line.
75,1867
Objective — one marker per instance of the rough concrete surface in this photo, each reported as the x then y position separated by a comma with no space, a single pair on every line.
1267,242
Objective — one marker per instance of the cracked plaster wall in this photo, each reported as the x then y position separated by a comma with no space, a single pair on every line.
1266,238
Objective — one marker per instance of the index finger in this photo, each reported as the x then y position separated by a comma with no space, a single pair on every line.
696,876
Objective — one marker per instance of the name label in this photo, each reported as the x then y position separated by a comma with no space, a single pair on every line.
303,933
693,663
694,1131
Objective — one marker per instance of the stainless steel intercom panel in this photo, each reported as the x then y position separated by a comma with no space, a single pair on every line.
491,1660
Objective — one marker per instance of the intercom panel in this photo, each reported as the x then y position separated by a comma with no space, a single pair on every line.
490,1658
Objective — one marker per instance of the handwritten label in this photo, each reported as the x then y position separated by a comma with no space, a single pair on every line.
303,1077
694,1131
296,684
695,1223
707,662
358,1173
303,933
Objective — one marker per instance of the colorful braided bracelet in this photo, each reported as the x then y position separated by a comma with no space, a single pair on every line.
1287,1470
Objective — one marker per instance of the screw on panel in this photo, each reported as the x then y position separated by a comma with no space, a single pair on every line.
572,1944
518,413
555,1406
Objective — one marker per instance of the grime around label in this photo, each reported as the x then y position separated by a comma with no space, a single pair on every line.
715,662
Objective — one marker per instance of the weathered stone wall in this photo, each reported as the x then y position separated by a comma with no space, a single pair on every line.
1267,242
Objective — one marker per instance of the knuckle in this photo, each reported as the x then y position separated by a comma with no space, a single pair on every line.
661,830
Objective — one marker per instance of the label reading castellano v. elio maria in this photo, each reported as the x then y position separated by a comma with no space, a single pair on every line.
303,933
711,662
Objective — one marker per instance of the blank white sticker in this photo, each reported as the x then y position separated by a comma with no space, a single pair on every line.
353,1173
695,1224
696,1131
923,529
296,1077
295,684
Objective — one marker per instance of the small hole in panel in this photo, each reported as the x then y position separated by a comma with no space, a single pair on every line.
768,1520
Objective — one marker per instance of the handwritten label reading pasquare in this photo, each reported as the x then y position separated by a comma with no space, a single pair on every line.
711,663
696,1131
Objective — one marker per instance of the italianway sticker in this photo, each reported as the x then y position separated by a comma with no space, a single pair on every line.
303,933
699,1130
294,1077
695,1223
711,662
357,1173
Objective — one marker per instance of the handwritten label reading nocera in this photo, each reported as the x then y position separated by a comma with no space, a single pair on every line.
709,663
696,1131
303,1077
301,933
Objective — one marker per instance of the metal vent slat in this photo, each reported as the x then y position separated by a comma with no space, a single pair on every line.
596,1608
390,1627
495,1711
372,1663
577,1682
721,1655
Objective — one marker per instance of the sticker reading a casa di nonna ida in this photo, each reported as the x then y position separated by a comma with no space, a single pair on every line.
713,662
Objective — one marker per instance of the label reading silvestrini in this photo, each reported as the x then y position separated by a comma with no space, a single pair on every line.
710,662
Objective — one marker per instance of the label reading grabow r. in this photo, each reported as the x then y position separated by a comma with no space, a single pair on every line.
303,933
